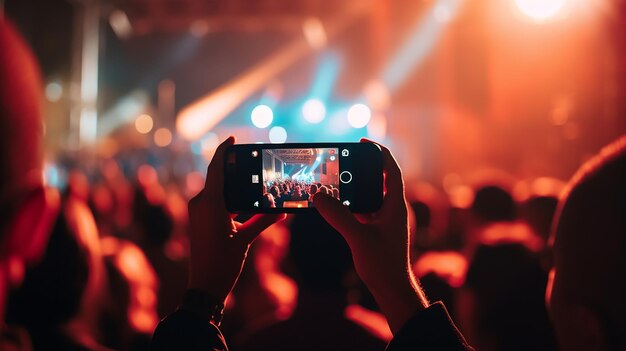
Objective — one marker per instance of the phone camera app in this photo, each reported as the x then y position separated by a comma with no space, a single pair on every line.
292,177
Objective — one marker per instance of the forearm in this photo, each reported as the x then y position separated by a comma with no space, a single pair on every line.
400,299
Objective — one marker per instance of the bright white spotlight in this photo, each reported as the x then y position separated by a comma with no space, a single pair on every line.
262,116
278,135
313,111
540,10
359,115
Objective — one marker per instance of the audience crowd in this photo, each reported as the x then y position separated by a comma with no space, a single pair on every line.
279,191
97,262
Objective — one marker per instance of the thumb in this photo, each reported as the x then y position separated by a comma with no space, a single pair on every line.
338,216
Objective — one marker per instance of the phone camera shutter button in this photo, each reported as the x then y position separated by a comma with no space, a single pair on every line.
345,177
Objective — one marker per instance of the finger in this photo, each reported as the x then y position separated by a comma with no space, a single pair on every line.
394,184
215,172
338,216
249,230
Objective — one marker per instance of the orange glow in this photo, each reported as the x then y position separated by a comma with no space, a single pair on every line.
134,265
146,175
374,322
146,297
142,320
162,137
314,32
144,124
517,233
540,10
449,265
461,196
283,290
194,182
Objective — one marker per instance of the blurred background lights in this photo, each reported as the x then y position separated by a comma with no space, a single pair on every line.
377,95
442,12
120,24
359,115
314,32
162,137
314,111
377,128
262,116
144,124
54,91
540,10
278,135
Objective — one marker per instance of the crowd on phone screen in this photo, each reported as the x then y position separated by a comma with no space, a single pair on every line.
96,263
276,192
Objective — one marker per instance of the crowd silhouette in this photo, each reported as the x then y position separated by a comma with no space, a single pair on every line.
288,193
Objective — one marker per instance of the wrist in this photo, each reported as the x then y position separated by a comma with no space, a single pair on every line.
400,300
203,305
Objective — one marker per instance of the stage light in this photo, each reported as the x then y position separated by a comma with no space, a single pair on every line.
442,12
278,135
314,111
54,91
162,137
423,38
314,32
144,124
540,10
359,115
262,116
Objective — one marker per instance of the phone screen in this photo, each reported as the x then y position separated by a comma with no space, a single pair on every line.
293,176
286,177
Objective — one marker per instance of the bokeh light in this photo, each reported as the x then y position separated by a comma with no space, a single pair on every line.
359,115
54,91
162,137
314,111
144,124
540,10
278,135
262,116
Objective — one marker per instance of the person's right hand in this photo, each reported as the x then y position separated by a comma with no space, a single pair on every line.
380,246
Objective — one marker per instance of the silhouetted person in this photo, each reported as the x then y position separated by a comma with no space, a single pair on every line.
507,286
130,313
321,260
588,296
539,213
54,243
493,204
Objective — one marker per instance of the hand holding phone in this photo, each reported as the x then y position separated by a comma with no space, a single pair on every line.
380,246
218,243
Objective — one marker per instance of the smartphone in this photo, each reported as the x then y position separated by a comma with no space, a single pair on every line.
277,178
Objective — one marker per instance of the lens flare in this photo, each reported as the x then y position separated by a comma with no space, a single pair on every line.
540,10
359,115
262,116
313,111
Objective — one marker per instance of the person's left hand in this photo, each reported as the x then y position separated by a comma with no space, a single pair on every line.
219,244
